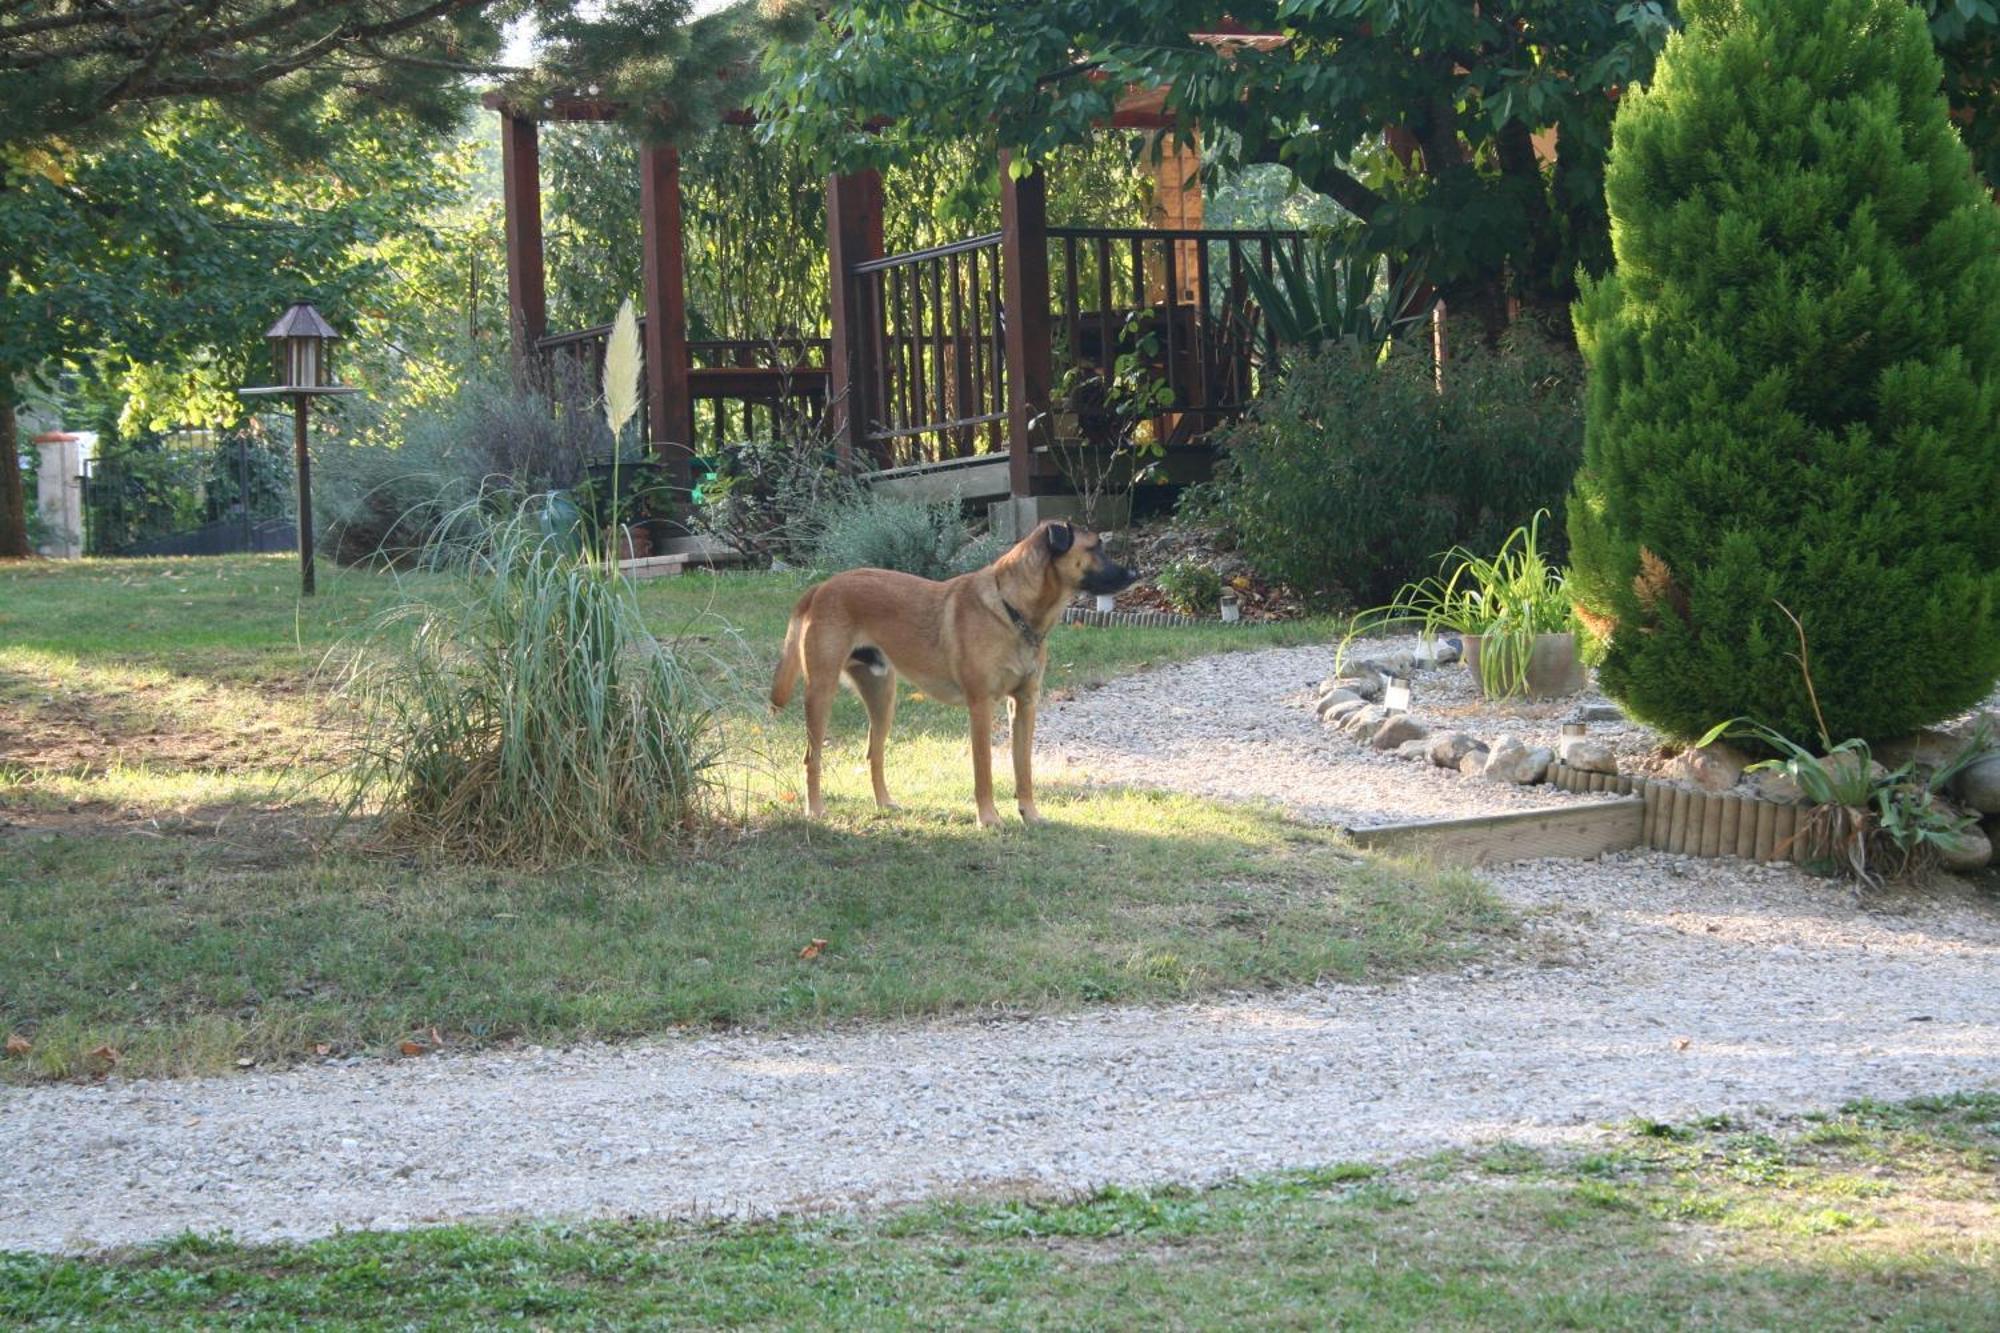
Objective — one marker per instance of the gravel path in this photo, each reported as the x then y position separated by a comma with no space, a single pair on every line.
1643,985
1240,726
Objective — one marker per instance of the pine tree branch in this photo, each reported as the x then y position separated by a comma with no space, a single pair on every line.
190,13
235,85
82,19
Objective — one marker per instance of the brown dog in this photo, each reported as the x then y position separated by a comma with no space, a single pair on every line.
973,640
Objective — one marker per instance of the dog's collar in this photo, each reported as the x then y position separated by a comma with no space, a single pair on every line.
1028,631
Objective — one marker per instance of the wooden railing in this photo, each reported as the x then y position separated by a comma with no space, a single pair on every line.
1176,303
742,388
931,366
932,372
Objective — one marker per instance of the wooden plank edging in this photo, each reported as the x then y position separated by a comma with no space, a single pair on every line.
1580,831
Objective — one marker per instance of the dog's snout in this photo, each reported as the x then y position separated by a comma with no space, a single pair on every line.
1108,576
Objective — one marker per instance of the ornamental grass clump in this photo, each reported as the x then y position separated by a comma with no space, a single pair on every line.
514,709
1794,389
1507,601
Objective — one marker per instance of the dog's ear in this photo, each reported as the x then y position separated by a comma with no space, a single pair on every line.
1060,537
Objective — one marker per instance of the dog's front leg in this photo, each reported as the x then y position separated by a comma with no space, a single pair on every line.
981,707
1024,751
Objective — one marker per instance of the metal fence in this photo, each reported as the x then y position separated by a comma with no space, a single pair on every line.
189,494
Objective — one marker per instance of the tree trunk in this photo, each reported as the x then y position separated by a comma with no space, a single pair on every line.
13,499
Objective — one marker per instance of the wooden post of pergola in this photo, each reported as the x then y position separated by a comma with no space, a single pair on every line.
521,190
853,236
1024,264
669,404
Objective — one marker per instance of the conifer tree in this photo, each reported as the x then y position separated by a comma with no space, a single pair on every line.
1795,382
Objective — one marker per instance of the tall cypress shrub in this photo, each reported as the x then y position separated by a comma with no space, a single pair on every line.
1794,381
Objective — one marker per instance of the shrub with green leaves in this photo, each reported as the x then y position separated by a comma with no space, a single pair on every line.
928,538
384,498
1190,587
1353,473
765,498
1794,392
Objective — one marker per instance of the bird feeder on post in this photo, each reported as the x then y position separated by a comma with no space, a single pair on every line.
302,346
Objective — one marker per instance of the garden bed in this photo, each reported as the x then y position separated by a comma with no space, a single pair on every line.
1255,726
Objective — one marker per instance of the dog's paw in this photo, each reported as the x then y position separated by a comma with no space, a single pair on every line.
1031,816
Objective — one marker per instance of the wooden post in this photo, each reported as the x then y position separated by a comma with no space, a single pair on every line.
853,235
301,409
521,187
1024,257
669,405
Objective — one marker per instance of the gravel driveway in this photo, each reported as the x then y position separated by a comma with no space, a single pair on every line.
1643,985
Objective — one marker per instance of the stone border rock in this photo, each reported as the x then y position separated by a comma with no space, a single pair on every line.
1708,808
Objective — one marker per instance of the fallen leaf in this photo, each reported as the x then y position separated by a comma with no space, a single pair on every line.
813,950
1682,1043
437,1038
413,1048
321,1048
18,1044
107,1055
245,1062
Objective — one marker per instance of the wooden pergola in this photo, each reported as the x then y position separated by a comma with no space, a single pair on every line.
954,346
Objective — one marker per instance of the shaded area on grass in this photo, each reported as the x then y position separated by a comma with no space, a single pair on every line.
1881,1216
186,954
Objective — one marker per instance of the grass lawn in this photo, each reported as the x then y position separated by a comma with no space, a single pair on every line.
166,890
1882,1216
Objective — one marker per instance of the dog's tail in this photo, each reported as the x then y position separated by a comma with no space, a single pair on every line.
790,659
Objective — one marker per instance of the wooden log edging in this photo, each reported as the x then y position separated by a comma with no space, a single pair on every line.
1686,822
1087,615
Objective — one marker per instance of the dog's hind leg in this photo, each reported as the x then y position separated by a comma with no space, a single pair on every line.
877,687
822,670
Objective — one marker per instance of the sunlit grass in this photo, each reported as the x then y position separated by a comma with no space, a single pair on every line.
180,668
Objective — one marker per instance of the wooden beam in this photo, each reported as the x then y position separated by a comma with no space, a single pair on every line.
1024,263
521,192
1580,831
669,405
853,234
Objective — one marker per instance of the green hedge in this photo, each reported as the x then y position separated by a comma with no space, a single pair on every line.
1354,473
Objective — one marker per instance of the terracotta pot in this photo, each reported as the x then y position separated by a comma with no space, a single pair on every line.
637,543
1554,668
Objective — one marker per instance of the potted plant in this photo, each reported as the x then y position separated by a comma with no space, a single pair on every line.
1512,611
